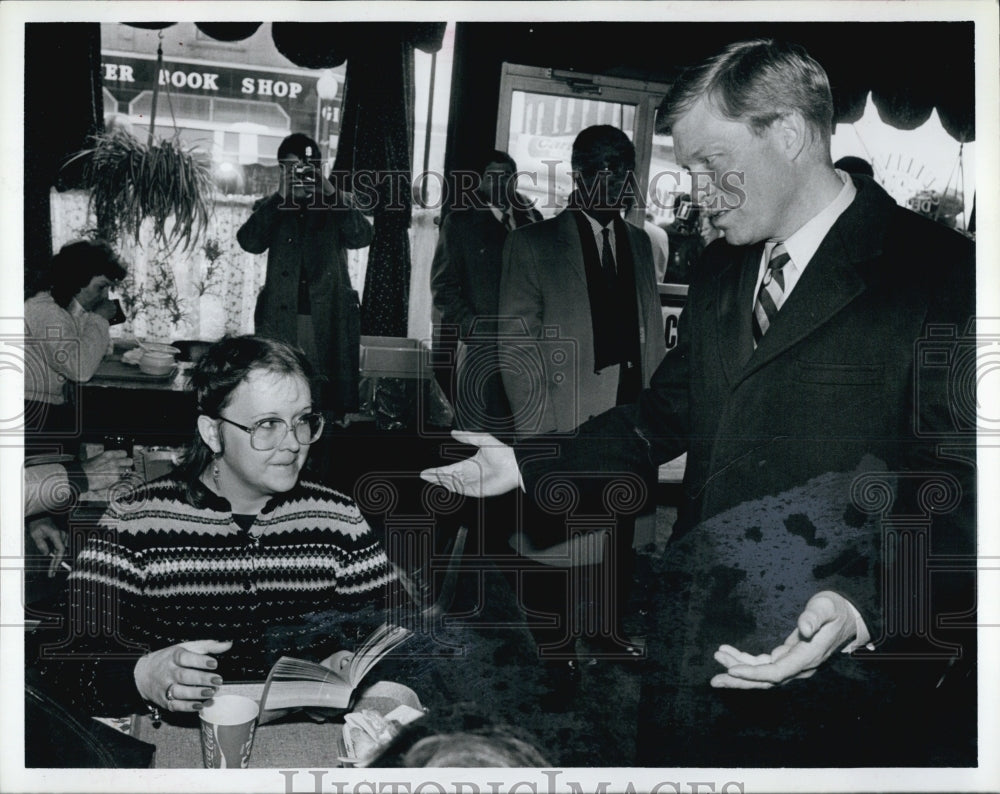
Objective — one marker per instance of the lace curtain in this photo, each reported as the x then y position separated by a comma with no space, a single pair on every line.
203,293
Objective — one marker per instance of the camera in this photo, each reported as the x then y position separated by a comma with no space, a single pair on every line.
304,176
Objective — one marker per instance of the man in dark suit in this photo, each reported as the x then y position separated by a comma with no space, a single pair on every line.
583,287
465,283
817,388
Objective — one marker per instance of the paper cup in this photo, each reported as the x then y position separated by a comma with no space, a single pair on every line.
227,728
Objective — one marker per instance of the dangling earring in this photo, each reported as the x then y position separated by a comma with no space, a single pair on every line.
215,474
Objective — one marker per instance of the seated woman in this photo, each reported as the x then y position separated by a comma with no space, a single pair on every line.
67,331
217,569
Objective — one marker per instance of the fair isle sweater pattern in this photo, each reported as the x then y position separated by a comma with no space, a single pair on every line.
160,571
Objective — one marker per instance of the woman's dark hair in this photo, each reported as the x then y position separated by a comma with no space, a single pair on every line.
223,367
76,264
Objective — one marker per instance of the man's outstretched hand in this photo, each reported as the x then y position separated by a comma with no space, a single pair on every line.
490,472
826,624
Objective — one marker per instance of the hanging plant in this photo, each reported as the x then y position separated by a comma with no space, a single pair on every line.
130,181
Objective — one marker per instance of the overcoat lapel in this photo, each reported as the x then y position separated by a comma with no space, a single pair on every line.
569,248
829,283
832,279
734,298
647,300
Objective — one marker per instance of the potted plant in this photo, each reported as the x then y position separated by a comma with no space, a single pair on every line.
130,181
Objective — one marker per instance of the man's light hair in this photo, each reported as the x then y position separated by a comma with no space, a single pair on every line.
755,82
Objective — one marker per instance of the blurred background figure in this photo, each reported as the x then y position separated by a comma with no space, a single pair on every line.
660,243
589,274
307,300
686,243
67,334
465,283
50,491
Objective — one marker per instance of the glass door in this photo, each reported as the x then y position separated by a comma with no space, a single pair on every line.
542,110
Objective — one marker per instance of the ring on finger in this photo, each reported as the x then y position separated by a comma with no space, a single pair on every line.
170,692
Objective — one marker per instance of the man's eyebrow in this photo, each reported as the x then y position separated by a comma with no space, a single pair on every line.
697,154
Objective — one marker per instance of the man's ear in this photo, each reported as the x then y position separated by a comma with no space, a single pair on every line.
793,134
208,429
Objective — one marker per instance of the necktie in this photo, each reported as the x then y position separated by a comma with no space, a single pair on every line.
607,255
771,291
509,219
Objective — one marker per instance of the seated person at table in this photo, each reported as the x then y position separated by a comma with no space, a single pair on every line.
51,489
229,562
67,334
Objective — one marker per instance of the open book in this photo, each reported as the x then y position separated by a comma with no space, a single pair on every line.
296,683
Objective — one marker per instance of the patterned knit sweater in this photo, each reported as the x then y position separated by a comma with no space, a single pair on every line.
161,571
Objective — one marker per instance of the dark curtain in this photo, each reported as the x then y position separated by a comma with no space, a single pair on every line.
53,129
376,140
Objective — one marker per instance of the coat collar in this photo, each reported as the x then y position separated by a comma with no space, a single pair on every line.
835,277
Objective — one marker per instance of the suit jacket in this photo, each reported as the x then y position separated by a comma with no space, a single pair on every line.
840,380
465,283
550,380
465,273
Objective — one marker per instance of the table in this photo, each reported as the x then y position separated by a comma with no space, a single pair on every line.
122,400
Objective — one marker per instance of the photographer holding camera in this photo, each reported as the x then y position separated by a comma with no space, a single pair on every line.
307,300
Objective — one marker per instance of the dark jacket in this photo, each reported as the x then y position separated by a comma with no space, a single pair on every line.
468,260
312,241
840,380
465,284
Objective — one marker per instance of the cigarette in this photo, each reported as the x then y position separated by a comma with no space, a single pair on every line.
64,565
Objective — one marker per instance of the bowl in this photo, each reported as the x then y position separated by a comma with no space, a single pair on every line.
157,363
158,347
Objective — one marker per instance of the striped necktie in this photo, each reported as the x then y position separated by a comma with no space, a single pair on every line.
771,292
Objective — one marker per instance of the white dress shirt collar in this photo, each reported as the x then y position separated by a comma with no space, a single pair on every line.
599,234
803,244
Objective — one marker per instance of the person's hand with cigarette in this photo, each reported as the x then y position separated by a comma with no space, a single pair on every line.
51,540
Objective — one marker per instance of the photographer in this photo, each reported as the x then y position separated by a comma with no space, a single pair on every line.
307,300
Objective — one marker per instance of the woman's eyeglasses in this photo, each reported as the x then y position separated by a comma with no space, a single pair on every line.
269,433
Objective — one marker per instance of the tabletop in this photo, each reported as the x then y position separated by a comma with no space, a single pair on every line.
115,373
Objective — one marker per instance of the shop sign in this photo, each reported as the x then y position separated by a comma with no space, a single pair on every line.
126,77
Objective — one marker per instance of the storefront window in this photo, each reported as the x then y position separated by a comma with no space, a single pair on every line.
235,102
